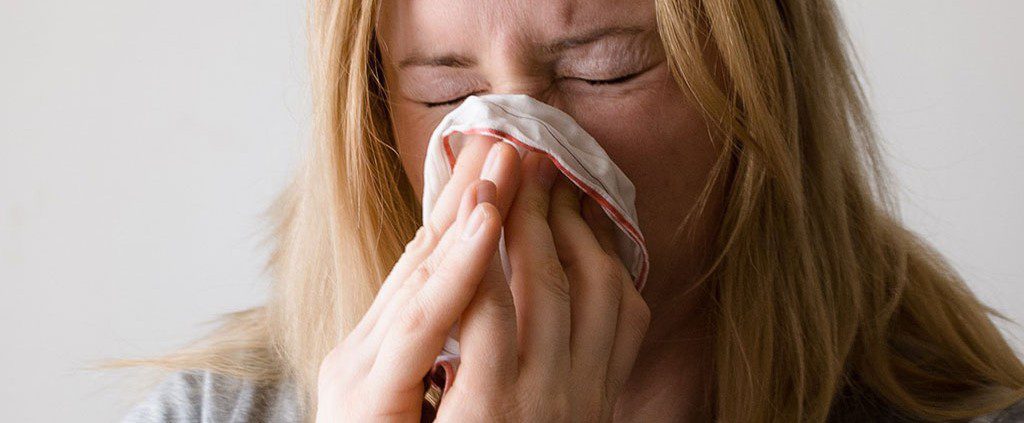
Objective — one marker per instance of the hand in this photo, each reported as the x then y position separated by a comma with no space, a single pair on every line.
559,341
376,372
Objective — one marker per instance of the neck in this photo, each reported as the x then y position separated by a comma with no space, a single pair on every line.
673,373
680,302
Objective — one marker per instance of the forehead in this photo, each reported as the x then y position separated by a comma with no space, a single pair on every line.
418,25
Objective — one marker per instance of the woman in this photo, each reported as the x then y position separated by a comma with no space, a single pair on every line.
781,288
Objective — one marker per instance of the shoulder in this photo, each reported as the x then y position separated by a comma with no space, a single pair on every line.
1011,414
203,396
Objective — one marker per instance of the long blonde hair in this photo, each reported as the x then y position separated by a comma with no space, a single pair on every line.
823,300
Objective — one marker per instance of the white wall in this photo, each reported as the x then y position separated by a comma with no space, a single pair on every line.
946,81
141,141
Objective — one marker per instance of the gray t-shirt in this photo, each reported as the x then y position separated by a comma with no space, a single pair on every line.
201,396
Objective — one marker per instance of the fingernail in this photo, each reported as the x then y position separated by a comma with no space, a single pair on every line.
468,201
476,220
485,193
490,168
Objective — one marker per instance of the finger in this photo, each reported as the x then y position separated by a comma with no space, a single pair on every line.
539,286
417,272
595,286
487,330
420,328
415,252
603,228
574,240
467,169
502,167
633,320
487,334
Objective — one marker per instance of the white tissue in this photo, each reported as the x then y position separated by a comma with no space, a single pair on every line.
529,124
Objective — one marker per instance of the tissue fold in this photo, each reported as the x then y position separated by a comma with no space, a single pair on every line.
531,125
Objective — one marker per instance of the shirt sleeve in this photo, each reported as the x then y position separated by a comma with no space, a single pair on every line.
1011,414
202,396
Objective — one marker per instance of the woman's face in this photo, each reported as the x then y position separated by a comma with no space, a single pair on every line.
600,61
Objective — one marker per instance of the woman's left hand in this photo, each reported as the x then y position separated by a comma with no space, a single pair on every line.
559,340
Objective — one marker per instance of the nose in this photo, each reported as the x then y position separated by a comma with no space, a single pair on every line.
539,87
513,69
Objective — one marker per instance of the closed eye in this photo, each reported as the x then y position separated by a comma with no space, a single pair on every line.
616,80
611,81
447,103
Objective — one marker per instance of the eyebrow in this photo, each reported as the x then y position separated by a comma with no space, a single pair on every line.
452,60
445,60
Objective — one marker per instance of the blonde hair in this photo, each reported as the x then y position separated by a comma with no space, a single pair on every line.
823,300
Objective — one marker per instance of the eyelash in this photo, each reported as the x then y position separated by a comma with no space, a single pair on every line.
594,82
447,103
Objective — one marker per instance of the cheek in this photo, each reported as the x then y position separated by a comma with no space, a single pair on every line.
659,140
654,134
412,129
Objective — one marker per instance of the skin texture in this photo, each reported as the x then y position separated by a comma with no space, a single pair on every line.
647,124
602,63
526,354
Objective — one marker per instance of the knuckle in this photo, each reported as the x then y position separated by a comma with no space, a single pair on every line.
613,385
609,276
552,278
333,370
638,319
422,272
427,269
430,234
611,266
550,270
416,317
423,244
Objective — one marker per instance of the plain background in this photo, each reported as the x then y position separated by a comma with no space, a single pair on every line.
140,143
